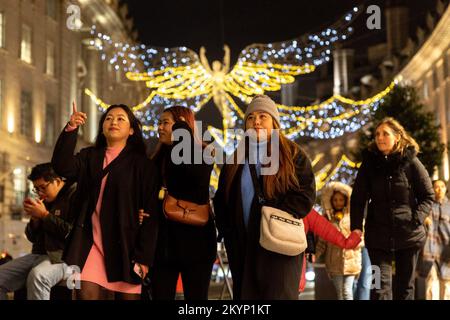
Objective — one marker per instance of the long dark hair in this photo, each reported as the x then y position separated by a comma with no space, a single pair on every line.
281,182
135,141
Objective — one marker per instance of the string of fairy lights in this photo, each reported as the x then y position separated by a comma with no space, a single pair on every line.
327,120
313,49
179,76
344,171
331,118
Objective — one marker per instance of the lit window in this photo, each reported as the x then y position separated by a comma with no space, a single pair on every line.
25,46
26,115
50,124
50,61
1,104
52,9
2,30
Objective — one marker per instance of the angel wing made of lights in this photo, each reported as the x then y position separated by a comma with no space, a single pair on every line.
182,76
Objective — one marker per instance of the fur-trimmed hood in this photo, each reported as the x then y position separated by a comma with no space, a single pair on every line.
328,192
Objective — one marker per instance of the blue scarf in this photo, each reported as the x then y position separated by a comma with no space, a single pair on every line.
247,188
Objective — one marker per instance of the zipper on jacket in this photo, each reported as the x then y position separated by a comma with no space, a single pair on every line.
391,237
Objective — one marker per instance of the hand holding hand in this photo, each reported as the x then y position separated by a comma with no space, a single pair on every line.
353,239
141,270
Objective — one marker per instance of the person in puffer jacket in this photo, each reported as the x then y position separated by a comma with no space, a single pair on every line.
342,265
397,190
320,226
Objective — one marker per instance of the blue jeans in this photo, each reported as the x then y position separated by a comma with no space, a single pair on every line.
33,270
362,288
344,287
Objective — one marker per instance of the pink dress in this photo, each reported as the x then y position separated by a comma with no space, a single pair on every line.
94,269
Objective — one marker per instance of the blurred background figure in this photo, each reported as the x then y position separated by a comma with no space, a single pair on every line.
434,264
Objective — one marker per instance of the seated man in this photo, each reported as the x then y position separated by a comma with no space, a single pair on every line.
50,224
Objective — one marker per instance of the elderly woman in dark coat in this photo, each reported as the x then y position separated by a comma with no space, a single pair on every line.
259,273
398,190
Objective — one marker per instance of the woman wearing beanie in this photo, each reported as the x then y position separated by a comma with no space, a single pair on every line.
259,273
398,192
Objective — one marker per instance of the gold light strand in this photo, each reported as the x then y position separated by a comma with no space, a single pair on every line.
317,158
344,160
342,99
104,106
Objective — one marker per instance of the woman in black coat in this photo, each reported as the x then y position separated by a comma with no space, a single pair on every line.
398,190
115,181
258,273
182,248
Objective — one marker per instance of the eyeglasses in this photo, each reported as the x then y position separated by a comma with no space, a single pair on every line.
41,188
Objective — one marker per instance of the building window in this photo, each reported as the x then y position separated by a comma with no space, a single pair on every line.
50,124
25,46
2,30
19,184
50,61
2,193
425,89
26,115
446,66
447,103
436,110
118,75
435,79
1,104
52,9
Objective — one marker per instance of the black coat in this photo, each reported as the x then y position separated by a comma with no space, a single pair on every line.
181,244
49,234
129,187
400,196
258,273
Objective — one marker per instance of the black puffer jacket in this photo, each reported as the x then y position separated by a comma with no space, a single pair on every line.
400,196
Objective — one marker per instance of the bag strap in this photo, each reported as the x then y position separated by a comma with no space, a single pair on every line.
113,164
256,184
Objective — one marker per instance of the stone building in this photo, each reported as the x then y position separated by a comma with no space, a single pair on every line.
46,62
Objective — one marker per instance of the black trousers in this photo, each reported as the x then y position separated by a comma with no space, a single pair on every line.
195,278
399,286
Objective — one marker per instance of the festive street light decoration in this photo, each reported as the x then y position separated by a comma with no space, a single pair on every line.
332,118
313,49
345,172
327,120
180,76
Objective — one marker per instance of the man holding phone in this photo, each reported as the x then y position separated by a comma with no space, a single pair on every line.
50,224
